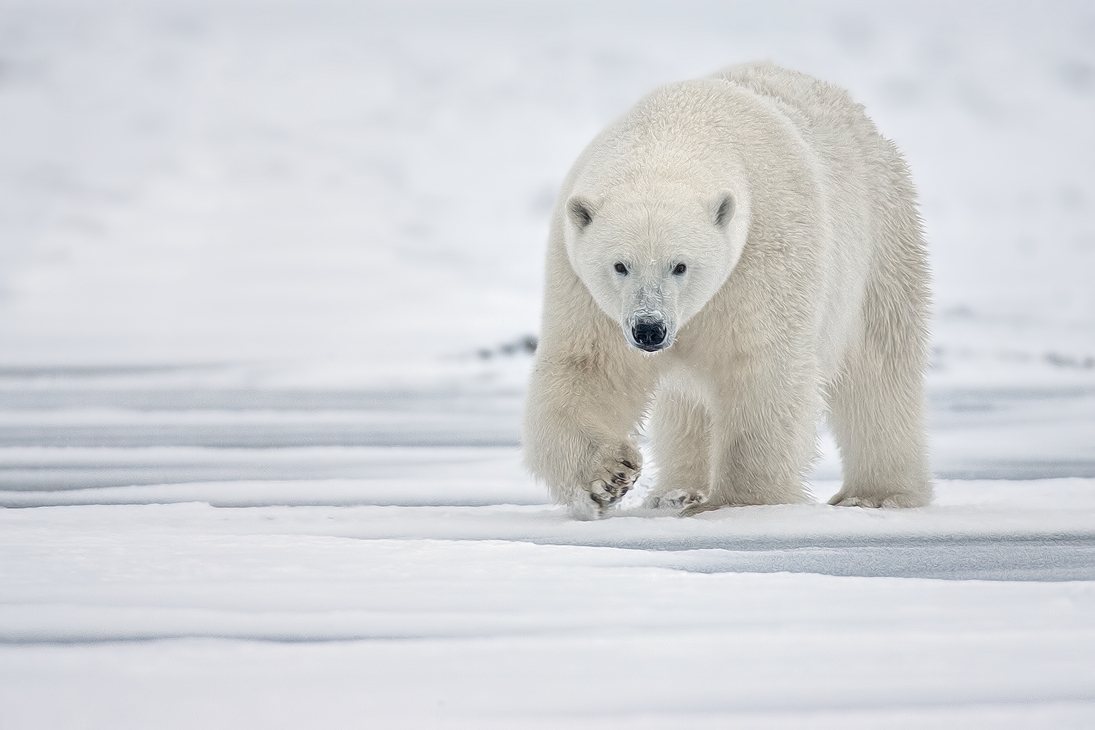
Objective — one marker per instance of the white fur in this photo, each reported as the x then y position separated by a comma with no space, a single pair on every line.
811,289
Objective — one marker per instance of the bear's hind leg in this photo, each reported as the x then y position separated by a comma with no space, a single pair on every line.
876,417
876,403
681,443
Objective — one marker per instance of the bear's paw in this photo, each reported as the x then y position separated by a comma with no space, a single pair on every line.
676,499
900,500
616,469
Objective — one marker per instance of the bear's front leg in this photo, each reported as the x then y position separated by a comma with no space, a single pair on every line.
580,423
763,435
681,444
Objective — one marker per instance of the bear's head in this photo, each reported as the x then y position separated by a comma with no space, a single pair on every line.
652,260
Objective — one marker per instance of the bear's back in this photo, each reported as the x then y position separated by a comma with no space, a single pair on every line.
815,106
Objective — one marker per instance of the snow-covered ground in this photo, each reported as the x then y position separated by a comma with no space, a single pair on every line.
266,271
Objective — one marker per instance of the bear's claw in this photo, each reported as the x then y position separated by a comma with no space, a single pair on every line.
619,470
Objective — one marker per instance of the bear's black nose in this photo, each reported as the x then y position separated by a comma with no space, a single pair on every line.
649,335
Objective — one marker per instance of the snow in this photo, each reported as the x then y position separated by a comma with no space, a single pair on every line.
266,271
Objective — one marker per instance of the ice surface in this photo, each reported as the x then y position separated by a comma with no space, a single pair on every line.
266,275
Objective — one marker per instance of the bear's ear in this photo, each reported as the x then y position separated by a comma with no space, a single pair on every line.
722,209
580,211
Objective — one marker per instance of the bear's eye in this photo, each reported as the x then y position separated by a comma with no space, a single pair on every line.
679,269
620,268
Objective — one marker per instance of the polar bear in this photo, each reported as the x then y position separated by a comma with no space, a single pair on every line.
735,257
